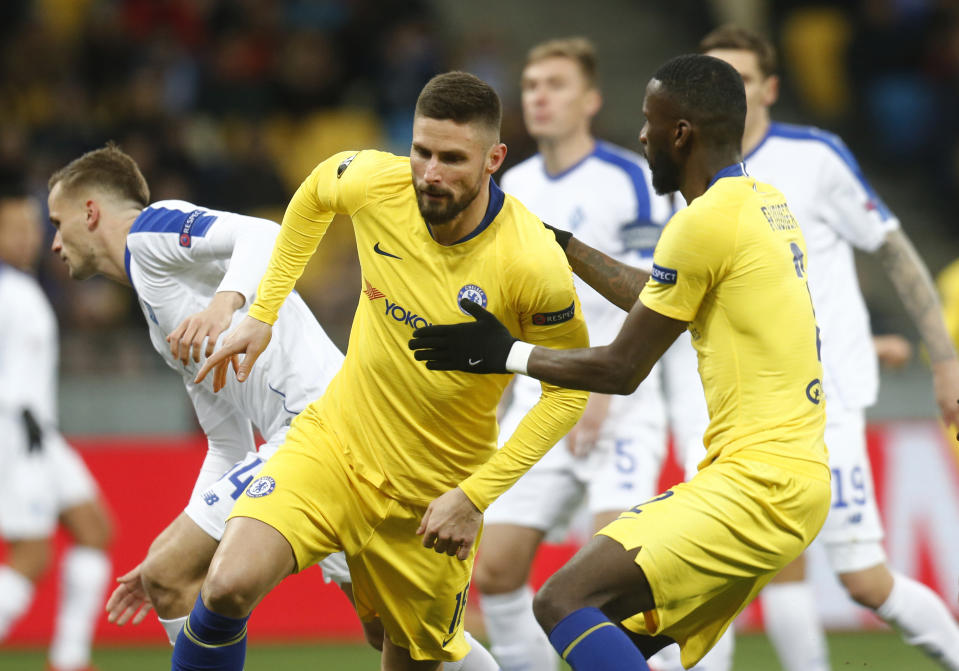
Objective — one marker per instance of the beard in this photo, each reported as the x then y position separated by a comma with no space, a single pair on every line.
443,211
665,172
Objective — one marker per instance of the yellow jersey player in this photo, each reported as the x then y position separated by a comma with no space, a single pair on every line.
730,268
392,451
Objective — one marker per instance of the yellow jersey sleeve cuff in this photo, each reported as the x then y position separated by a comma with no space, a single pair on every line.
665,309
262,314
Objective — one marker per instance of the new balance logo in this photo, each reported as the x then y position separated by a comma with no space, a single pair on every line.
372,292
376,248
210,498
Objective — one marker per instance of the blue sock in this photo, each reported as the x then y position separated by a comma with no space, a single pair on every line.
586,639
210,642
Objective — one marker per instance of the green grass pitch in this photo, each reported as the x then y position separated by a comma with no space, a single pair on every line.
873,651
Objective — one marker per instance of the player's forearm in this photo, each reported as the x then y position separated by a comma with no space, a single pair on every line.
550,419
918,293
596,369
297,241
619,283
249,244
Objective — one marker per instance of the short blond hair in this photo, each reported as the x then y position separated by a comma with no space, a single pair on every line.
108,168
577,49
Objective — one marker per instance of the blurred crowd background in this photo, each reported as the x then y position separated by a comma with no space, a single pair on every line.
230,103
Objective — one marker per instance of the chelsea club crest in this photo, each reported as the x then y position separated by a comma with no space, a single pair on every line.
260,487
471,292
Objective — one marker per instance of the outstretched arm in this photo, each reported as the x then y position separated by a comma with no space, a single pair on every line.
485,346
918,293
617,282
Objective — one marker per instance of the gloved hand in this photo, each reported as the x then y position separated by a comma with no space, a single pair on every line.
34,432
480,346
562,237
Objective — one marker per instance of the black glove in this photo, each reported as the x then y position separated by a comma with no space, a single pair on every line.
562,237
474,347
34,433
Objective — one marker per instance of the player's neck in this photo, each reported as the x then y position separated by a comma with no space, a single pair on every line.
755,132
702,168
113,263
465,222
561,154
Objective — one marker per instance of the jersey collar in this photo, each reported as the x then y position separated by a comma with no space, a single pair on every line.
734,170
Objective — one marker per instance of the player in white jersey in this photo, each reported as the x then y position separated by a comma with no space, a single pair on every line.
838,211
42,479
612,457
193,268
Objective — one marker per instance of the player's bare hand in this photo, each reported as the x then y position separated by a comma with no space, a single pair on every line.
207,324
450,524
249,338
945,380
893,350
582,438
129,600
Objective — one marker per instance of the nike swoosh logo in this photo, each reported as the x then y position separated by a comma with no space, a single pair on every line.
376,248
474,363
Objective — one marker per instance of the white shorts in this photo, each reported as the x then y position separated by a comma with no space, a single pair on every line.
210,508
35,487
852,533
619,472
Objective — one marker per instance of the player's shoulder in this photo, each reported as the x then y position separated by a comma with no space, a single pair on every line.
169,216
522,239
381,171
618,157
812,140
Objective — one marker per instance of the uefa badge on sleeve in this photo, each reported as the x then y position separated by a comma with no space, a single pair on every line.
473,293
261,487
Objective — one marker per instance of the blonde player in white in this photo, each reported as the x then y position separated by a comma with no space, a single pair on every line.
193,269
613,456
42,479
838,211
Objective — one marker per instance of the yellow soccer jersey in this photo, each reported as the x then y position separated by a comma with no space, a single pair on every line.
733,264
413,432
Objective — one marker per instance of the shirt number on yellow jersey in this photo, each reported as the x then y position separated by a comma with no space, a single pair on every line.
799,262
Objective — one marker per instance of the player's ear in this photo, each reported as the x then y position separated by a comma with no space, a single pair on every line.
770,90
594,102
495,157
682,133
92,213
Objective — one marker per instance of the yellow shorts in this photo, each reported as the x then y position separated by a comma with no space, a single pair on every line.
309,493
710,544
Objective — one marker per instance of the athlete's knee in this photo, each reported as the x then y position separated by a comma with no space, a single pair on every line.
31,559
496,574
230,592
869,587
170,592
89,524
552,603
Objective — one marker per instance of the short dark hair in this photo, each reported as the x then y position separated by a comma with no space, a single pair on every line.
107,168
731,36
460,97
710,93
578,49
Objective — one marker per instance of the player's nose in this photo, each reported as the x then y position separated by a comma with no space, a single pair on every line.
57,243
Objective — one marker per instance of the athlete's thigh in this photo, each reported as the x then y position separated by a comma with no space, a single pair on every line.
305,493
181,553
505,556
419,594
853,515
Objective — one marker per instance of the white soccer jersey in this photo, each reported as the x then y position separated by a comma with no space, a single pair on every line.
178,256
606,201
28,348
837,210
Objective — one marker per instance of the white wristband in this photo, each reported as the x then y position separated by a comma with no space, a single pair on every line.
518,357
